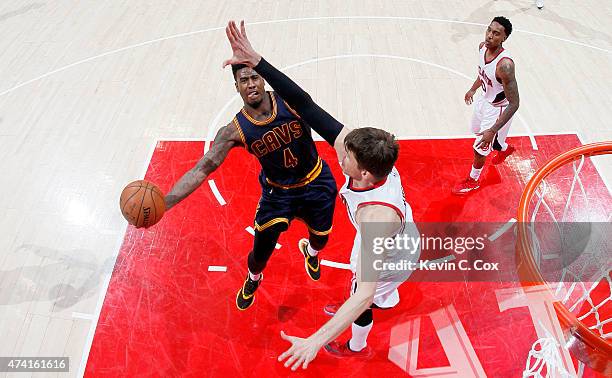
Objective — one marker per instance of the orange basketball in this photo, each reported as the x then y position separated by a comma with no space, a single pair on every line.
142,203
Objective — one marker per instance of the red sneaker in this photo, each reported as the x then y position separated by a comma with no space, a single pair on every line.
340,350
502,155
466,186
331,308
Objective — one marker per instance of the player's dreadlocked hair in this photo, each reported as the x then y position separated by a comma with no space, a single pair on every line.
503,21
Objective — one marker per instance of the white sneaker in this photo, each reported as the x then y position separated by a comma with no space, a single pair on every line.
540,4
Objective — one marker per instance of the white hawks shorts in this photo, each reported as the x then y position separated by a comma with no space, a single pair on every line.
483,118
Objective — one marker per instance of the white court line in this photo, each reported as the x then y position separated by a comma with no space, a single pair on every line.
106,281
80,315
334,264
252,232
217,268
215,191
396,18
503,229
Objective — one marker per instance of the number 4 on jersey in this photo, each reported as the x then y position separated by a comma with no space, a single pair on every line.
290,160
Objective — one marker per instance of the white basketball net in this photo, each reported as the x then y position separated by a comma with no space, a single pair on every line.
544,360
583,299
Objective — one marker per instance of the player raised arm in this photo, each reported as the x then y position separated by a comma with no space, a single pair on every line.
322,122
505,71
303,351
227,137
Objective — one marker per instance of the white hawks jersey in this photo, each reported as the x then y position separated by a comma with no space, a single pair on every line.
493,88
388,192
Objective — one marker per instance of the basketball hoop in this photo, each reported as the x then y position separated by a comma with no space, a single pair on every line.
590,344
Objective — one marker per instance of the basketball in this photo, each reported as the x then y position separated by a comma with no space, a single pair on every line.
142,203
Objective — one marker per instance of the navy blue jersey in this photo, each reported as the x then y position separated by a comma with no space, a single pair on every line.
282,143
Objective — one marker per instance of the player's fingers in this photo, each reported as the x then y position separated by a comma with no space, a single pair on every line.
288,337
227,62
297,363
306,362
285,354
290,360
230,31
235,31
242,28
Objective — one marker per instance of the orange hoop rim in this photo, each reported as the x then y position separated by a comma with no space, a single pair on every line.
529,273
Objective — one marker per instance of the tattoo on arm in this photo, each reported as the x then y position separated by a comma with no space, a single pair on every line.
227,137
505,71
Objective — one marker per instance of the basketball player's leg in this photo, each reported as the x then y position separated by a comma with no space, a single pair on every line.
485,116
503,149
386,297
263,246
272,218
317,211
476,125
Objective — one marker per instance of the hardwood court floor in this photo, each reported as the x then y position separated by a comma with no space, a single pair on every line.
87,88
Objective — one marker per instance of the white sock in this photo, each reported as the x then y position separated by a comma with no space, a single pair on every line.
360,335
254,277
311,251
475,174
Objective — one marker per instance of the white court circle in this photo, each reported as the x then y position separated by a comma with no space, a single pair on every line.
214,124
384,18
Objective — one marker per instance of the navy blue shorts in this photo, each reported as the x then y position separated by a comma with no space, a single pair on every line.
313,203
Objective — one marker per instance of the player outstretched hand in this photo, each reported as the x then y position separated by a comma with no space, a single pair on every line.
469,97
301,352
241,47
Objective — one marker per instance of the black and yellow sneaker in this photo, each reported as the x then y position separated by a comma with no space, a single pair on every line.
311,263
246,294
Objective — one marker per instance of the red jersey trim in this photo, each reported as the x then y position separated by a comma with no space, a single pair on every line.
374,186
492,59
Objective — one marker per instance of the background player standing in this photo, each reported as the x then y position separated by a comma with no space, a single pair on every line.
494,110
